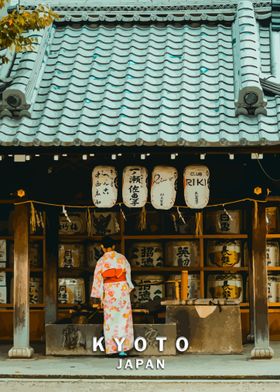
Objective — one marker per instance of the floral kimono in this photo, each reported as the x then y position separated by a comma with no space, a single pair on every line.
115,297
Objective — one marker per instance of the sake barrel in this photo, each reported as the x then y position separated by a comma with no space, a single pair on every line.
71,291
278,289
193,286
223,221
35,290
146,254
173,287
181,253
74,224
224,253
272,253
228,286
247,291
271,219
94,252
34,254
148,288
105,223
3,253
70,255
272,288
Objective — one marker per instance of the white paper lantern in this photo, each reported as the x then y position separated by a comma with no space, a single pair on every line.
134,188
104,186
164,187
196,186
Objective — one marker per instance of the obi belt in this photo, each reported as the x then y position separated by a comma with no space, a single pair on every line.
114,275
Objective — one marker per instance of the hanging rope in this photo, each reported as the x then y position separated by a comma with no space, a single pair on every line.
89,224
32,218
72,206
143,219
197,223
180,215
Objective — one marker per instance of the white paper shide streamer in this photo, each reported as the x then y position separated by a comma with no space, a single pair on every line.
196,186
164,187
104,186
134,186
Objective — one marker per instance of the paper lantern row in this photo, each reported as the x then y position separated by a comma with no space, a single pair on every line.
163,186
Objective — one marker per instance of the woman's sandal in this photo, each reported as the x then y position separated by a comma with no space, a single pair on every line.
122,354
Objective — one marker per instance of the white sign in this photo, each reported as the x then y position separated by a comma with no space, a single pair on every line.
104,186
164,187
196,186
134,188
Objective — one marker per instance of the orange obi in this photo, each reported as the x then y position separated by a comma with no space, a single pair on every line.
114,275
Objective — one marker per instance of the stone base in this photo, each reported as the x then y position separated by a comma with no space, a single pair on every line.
77,339
210,329
262,353
21,352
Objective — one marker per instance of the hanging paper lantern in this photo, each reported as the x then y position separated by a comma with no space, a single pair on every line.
104,186
196,186
164,187
134,188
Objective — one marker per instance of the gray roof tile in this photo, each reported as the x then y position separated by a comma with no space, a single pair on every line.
141,85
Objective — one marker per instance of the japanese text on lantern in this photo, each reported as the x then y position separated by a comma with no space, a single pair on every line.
135,191
104,189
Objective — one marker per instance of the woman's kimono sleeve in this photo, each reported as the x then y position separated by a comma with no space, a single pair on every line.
128,275
97,285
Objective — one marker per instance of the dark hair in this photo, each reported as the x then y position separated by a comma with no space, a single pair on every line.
108,242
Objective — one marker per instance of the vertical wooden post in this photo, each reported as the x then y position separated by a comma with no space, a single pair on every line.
199,233
51,263
250,219
262,350
21,347
122,232
184,285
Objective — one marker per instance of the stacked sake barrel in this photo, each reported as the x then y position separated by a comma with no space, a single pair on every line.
155,254
224,253
147,287
273,280
272,256
71,291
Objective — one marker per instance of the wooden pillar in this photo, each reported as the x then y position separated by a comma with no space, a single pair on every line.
50,267
21,347
262,350
249,219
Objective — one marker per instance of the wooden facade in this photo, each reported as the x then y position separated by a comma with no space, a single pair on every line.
23,322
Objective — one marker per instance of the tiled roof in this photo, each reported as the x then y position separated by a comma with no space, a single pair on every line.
139,85
148,10
275,22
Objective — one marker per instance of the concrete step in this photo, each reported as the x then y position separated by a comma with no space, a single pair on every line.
101,385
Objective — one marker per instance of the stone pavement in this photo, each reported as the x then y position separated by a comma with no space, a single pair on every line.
182,373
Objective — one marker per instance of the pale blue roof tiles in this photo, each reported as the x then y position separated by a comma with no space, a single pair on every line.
141,85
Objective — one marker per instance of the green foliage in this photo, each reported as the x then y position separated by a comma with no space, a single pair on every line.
14,26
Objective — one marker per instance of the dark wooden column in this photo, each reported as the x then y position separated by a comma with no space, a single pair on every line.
262,350
249,221
51,264
21,347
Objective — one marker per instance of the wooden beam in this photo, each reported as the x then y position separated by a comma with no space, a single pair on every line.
50,264
262,350
21,347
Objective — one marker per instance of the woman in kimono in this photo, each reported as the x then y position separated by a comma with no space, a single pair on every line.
112,284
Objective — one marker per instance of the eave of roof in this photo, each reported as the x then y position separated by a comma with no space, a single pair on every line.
148,10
